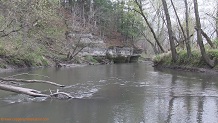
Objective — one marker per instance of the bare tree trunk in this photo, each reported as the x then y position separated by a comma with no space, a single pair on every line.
24,23
187,40
149,26
177,17
199,37
182,29
217,20
170,32
24,30
90,11
83,15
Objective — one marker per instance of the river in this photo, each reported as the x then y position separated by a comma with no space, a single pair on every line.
119,93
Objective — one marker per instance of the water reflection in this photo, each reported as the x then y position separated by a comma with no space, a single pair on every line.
188,103
123,93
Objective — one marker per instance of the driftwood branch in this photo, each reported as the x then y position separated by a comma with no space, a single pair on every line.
21,90
61,95
32,92
31,81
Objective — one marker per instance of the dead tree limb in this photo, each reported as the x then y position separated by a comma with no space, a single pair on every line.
6,34
34,93
140,11
61,95
21,90
31,81
207,38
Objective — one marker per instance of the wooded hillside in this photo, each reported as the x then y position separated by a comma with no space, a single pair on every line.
35,33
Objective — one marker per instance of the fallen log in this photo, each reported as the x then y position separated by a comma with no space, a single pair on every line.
27,91
32,92
31,81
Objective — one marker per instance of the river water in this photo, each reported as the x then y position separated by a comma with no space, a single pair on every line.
119,93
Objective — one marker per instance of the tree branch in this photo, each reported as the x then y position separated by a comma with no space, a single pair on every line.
148,24
207,38
6,34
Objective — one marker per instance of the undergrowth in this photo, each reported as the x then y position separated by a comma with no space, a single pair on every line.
183,60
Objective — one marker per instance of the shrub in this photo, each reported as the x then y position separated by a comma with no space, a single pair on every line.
164,58
90,59
216,42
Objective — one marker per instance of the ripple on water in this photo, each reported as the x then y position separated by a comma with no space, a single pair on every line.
23,98
102,81
84,93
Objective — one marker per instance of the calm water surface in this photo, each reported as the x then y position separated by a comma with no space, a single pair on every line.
120,93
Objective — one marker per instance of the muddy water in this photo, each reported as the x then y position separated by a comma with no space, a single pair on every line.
121,93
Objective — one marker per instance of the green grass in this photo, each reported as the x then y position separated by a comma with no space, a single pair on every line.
28,59
2,51
164,58
213,53
22,56
194,61
2,65
90,59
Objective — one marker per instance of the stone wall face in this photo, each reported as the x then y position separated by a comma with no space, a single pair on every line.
96,47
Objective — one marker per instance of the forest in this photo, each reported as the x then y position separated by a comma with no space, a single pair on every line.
46,32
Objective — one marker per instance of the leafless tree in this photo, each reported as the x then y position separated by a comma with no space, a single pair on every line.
199,37
217,20
141,12
170,32
187,40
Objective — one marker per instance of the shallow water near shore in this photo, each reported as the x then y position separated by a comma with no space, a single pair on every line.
119,93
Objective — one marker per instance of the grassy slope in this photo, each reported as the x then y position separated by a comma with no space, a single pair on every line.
42,48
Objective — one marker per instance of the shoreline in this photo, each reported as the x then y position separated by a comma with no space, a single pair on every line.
185,63
188,69
11,69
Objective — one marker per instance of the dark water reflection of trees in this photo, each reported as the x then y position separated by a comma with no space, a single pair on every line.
198,102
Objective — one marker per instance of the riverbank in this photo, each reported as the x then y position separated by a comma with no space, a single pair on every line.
10,61
193,64
14,63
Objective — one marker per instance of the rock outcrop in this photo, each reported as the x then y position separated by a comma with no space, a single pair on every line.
96,48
